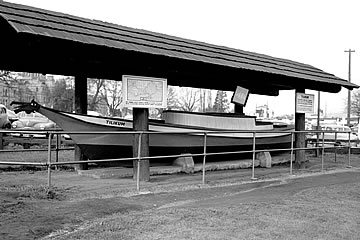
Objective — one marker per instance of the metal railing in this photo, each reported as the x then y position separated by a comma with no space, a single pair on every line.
49,134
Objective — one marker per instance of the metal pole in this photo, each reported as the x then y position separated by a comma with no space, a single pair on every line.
58,141
292,153
349,108
204,159
323,152
253,159
335,150
138,165
318,126
49,161
349,153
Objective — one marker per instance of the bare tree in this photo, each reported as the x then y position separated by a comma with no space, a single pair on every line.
172,103
355,102
63,96
221,103
5,75
94,92
172,99
189,99
206,104
210,106
8,77
111,94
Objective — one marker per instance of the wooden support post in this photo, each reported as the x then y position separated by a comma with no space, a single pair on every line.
239,109
300,138
141,123
80,107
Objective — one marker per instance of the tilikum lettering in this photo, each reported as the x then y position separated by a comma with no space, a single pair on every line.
112,122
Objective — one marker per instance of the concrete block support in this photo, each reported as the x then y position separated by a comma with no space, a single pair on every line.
186,162
264,158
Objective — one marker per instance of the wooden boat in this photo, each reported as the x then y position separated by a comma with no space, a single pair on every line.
178,132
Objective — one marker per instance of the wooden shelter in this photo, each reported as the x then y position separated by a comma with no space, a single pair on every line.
42,41
37,40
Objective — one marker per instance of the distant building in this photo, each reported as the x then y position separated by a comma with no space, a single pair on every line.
263,111
8,93
25,87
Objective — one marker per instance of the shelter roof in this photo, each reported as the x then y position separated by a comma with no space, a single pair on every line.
37,40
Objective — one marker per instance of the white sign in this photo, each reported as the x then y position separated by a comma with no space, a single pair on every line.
240,96
144,92
304,103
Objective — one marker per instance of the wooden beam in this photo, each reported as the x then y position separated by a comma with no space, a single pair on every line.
300,138
239,109
80,107
141,123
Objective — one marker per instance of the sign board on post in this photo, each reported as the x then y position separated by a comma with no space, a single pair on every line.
144,92
304,103
240,96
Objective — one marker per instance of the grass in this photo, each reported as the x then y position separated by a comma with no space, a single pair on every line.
315,213
320,213
34,192
34,157
37,152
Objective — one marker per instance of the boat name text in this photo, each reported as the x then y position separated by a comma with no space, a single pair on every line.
113,122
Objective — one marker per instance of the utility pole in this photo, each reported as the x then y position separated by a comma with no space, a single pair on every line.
349,91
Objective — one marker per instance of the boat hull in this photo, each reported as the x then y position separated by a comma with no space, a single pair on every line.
126,151
114,146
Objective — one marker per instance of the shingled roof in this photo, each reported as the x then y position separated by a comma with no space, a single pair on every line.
37,40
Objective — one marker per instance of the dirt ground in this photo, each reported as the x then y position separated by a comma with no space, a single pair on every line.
29,210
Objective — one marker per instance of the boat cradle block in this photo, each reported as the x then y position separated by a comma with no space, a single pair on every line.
186,162
264,158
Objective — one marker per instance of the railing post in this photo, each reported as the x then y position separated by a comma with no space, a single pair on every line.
204,158
323,152
1,141
253,158
349,151
335,150
291,153
317,150
138,165
58,143
49,161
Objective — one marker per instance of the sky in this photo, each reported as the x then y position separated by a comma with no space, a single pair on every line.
314,32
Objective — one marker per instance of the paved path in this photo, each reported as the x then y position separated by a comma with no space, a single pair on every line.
276,189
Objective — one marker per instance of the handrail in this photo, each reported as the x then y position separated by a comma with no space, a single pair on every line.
139,158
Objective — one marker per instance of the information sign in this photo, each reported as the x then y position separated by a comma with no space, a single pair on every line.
304,103
240,96
144,92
